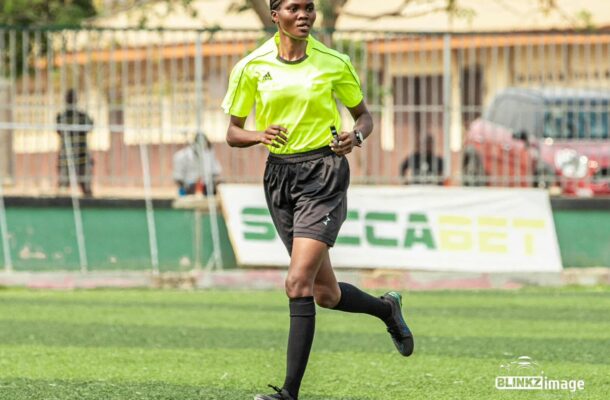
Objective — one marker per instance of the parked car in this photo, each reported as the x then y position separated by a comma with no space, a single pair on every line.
551,137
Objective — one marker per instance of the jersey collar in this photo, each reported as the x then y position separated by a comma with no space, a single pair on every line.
311,41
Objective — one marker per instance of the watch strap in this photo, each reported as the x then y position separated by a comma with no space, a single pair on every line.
359,137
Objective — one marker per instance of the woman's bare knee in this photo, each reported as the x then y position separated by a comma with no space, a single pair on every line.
305,262
298,286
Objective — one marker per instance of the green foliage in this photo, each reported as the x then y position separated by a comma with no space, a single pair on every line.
325,8
45,12
585,20
23,14
228,345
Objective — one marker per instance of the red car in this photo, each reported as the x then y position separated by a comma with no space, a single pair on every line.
552,137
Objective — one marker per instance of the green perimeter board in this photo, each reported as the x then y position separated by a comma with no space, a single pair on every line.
44,239
584,237
117,239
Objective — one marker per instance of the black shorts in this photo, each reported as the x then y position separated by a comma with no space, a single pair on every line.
307,194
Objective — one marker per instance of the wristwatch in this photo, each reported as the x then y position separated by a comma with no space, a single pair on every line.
359,137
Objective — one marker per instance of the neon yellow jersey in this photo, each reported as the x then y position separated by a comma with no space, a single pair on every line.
299,96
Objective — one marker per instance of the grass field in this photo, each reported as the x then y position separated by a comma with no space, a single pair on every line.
111,344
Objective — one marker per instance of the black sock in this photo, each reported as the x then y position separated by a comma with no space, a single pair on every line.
356,301
300,338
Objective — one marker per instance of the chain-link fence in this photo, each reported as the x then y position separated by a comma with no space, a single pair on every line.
544,98
107,110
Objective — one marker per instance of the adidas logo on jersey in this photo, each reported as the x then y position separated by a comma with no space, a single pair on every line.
267,77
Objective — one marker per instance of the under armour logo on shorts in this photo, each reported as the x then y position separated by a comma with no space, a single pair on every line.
327,220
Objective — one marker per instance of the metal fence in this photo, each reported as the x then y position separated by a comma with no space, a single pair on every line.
497,109
544,99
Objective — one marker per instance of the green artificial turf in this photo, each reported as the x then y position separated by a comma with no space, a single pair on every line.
144,344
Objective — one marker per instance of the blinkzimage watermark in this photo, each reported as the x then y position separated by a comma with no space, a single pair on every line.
524,373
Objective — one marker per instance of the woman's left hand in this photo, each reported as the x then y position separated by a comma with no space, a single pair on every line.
346,143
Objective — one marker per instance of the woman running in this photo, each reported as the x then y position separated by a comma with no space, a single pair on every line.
293,80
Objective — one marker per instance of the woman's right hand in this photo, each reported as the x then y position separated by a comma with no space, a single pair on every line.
274,135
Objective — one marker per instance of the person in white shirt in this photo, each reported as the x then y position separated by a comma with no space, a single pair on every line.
191,165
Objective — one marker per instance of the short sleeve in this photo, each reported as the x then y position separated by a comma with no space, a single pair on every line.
347,86
240,96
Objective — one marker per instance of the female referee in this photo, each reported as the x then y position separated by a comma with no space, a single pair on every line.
293,80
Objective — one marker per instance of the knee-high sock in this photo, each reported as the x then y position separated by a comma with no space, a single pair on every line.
302,328
356,301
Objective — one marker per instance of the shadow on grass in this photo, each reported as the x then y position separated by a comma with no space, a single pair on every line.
59,334
33,389
493,312
158,306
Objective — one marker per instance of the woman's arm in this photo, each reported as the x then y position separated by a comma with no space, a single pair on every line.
237,136
363,123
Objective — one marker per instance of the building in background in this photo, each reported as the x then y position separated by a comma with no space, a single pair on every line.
146,86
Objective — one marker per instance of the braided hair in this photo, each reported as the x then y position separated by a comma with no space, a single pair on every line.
274,4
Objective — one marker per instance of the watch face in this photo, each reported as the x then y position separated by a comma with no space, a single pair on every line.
359,137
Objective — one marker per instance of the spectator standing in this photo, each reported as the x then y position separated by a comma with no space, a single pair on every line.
73,127
426,167
192,163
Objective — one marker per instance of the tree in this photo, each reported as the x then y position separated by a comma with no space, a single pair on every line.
45,12
22,14
332,10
